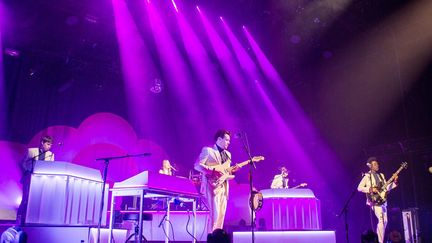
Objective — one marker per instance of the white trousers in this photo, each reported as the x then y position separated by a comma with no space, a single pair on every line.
381,214
216,201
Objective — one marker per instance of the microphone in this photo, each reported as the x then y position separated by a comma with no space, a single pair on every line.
174,169
60,144
238,135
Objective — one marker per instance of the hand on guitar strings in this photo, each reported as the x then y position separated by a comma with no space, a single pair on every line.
373,190
216,173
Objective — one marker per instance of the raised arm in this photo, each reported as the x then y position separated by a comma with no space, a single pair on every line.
392,185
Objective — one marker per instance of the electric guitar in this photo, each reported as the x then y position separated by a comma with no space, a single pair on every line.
226,171
380,197
298,186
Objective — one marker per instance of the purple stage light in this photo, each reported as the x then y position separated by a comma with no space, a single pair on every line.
3,100
174,66
174,5
203,68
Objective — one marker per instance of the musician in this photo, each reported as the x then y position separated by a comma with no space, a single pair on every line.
167,168
43,152
371,182
281,180
216,195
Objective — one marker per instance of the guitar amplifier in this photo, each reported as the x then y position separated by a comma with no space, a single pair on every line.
411,225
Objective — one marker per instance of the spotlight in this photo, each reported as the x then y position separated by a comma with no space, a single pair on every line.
91,19
157,86
12,52
32,72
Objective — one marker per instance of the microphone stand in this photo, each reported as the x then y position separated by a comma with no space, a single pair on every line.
104,178
33,160
252,166
344,212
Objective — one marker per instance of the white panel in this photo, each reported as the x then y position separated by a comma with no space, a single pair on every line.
65,199
286,236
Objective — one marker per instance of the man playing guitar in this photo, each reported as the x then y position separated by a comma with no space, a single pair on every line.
215,165
375,186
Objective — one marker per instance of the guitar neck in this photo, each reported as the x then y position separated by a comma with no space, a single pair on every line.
298,186
394,176
243,163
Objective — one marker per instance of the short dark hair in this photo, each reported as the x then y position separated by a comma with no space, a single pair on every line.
46,139
221,133
370,159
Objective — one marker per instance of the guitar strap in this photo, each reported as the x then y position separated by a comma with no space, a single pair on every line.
378,179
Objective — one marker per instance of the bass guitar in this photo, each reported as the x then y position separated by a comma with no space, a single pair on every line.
380,197
298,186
226,171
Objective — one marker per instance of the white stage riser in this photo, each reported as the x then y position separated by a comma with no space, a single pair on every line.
150,230
43,234
178,219
286,236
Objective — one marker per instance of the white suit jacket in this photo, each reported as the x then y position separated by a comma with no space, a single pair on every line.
32,155
278,182
208,157
369,181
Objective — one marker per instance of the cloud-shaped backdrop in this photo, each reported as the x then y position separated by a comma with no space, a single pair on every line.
98,136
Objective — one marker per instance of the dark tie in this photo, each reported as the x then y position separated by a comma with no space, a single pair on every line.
283,182
41,155
224,156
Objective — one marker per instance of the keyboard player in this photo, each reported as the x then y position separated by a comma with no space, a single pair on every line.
167,168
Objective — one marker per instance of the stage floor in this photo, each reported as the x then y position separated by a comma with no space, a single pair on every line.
285,236
39,234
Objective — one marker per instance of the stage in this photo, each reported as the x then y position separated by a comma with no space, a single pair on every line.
65,234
